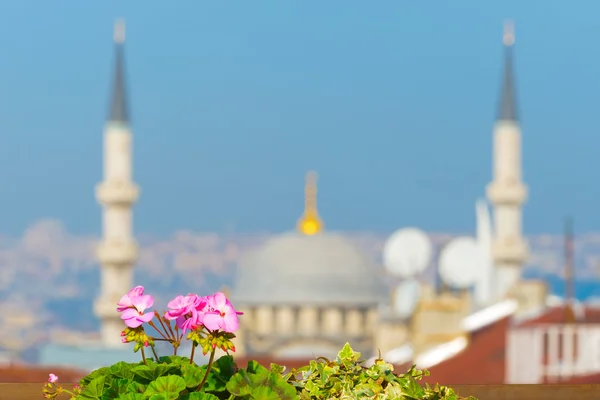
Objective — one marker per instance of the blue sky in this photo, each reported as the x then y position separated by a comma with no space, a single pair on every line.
392,102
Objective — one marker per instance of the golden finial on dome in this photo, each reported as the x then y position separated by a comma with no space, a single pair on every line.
310,223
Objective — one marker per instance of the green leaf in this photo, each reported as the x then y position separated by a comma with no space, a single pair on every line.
412,389
168,386
93,375
277,369
176,360
263,384
160,397
220,373
255,368
136,387
120,385
144,372
346,353
94,389
122,370
192,374
153,371
131,396
199,396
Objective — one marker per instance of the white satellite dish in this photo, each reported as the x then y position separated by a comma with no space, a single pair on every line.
407,252
406,296
460,262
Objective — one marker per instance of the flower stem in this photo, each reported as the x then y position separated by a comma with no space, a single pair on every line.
157,330
143,355
210,361
193,351
155,355
168,324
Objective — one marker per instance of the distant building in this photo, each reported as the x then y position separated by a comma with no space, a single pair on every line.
307,292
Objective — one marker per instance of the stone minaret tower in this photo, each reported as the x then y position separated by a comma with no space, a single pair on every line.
118,251
507,192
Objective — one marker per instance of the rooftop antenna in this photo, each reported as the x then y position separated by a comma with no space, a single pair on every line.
407,253
569,272
460,262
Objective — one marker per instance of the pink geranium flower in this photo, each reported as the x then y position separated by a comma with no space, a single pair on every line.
134,316
125,301
185,311
220,314
52,378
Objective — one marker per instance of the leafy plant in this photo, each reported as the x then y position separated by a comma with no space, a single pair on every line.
211,322
174,378
346,378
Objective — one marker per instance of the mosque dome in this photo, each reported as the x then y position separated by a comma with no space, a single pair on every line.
294,268
308,267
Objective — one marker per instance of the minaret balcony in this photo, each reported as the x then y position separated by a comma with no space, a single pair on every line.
507,192
123,254
117,193
510,250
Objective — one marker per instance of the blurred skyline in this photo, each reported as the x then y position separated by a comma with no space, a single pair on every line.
392,102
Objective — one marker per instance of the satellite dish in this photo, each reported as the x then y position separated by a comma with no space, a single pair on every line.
407,252
460,262
406,297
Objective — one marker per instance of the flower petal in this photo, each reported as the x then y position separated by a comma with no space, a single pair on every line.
129,313
133,322
232,323
124,303
176,303
219,300
136,291
142,302
212,321
146,317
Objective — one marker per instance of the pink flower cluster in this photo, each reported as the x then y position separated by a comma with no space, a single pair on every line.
214,312
132,306
190,312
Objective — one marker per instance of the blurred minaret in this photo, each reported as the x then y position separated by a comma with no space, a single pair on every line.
507,192
118,251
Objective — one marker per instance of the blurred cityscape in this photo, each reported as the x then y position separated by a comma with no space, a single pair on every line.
187,262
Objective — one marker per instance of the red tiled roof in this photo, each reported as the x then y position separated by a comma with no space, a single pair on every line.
23,373
592,314
482,362
557,315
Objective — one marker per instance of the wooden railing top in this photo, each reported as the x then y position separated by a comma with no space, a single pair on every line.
32,391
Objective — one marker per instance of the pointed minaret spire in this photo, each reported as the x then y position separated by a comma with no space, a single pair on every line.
507,192
508,106
118,107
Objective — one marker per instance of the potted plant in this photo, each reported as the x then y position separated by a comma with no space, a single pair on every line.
209,323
